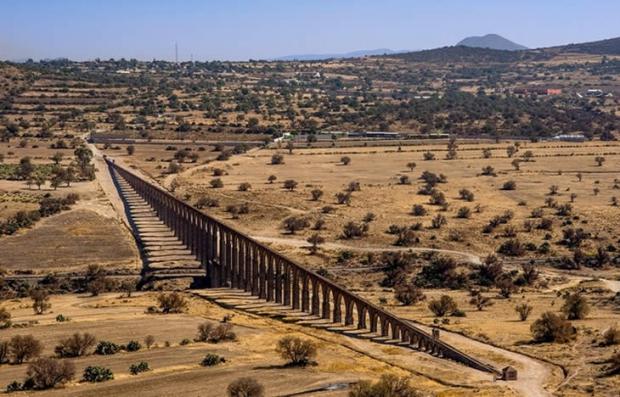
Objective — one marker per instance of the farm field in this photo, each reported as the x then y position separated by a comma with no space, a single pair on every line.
382,192
176,369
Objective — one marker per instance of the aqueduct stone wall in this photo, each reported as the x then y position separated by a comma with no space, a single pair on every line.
232,259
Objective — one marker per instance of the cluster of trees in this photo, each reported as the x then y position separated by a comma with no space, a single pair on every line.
48,205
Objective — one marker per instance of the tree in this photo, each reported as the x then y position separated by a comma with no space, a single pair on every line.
83,155
315,240
272,178
23,348
343,198
131,149
216,183
488,171
523,310
245,387
579,176
345,160
506,285
411,165
297,351
57,158
316,194
438,221
486,153
45,373
293,224
466,195
172,303
428,156
25,168
464,213
445,305
511,150
128,286
277,159
40,300
552,328
509,185
576,306
387,386
149,341
611,336
599,160
408,294
244,186
76,345
480,301
5,318
516,163
290,184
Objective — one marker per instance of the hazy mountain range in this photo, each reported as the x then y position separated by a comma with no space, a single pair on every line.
492,41
352,54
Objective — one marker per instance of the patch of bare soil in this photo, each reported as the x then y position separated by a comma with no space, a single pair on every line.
69,240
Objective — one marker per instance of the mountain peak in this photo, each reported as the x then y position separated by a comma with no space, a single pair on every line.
492,41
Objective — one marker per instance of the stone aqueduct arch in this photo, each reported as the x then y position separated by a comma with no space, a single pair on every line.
232,259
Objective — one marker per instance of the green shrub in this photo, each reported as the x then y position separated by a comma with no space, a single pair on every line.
97,374
212,359
133,346
142,366
106,348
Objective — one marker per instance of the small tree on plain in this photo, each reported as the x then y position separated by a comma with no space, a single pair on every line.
523,310
599,160
277,159
411,165
345,160
297,351
552,328
315,240
290,184
445,305
272,179
76,345
131,149
172,302
480,301
316,194
40,300
387,386
576,306
149,341
45,373
23,348
292,224
245,387
408,294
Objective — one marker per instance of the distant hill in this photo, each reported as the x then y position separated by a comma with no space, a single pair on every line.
321,57
600,47
471,55
491,41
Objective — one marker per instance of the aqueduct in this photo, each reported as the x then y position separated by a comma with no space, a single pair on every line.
232,259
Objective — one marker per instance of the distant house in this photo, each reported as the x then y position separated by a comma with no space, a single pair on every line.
594,93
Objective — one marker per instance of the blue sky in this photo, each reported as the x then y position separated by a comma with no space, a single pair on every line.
244,29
